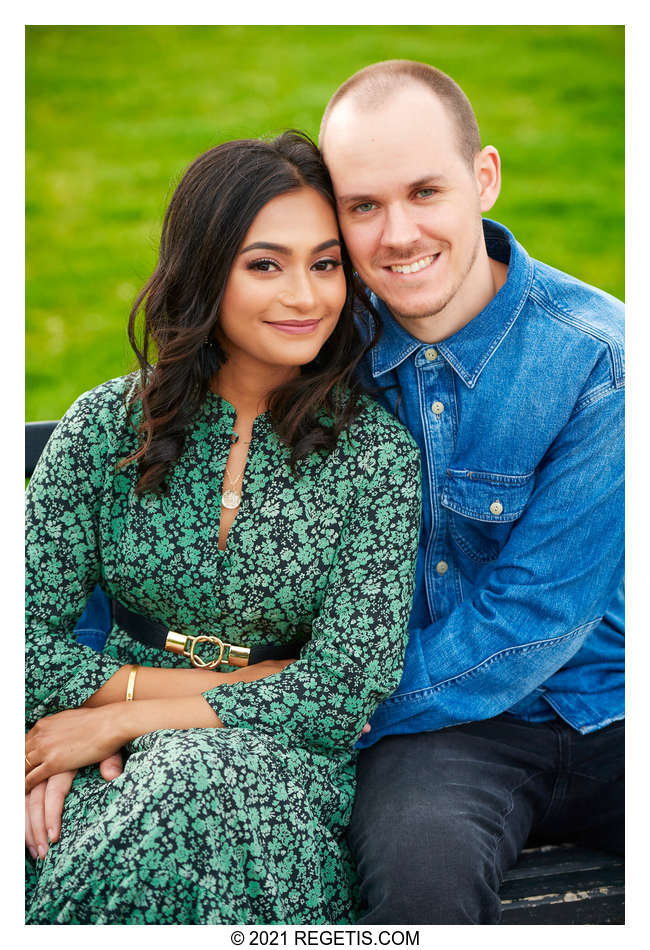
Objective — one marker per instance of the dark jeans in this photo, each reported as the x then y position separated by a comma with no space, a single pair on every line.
440,816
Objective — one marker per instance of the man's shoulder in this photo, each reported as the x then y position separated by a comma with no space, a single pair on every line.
573,323
573,303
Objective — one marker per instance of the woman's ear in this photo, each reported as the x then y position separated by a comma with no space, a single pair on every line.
487,170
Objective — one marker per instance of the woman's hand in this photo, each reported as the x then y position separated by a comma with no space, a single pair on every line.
70,739
76,737
44,805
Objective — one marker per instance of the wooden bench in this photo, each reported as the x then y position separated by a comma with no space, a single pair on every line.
549,885
563,884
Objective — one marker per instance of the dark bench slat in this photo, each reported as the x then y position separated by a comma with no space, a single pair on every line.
36,436
592,908
554,859
562,885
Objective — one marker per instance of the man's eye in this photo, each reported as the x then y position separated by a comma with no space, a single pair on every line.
264,264
425,192
326,265
365,207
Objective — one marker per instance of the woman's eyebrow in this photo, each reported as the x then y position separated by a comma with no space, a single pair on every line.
323,247
281,249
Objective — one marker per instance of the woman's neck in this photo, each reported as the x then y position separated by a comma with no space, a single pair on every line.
246,387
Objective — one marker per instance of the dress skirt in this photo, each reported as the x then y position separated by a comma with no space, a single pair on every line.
204,826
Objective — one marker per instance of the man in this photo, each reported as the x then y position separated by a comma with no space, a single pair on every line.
508,723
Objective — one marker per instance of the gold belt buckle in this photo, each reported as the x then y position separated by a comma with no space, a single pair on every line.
186,645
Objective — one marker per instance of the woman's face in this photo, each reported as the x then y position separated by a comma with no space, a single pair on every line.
286,288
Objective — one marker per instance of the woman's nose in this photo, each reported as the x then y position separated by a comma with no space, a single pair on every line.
299,295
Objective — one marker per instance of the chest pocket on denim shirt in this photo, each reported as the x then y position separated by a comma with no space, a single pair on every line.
483,507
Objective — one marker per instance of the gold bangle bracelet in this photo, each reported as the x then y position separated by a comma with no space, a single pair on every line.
130,686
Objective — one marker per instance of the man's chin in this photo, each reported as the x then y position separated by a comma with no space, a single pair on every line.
413,306
428,309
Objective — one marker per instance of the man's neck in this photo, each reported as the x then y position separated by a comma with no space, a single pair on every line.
467,303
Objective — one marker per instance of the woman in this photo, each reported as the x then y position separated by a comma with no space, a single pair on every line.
243,488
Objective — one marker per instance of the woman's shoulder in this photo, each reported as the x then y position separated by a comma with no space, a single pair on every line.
377,424
379,442
101,411
112,392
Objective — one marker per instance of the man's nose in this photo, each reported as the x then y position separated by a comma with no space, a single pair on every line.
400,227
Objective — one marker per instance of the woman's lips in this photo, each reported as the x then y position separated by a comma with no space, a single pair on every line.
295,327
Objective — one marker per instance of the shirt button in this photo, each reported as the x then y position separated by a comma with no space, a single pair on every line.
431,354
441,567
437,407
496,507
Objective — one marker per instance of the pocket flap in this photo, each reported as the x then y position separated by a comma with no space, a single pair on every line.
487,496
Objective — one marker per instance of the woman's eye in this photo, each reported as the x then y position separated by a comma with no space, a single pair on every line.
326,265
264,265
365,207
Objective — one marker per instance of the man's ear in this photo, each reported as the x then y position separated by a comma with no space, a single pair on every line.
487,169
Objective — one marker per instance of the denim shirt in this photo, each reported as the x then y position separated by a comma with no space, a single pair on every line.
519,417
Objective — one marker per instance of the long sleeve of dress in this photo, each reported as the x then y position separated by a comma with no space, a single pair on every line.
62,555
354,657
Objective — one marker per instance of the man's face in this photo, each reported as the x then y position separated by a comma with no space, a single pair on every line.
408,202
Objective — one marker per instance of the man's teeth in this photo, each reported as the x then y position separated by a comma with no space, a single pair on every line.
412,268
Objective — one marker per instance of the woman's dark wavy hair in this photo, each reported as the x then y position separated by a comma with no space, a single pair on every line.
208,217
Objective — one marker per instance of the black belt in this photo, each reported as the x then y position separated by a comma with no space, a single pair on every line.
158,635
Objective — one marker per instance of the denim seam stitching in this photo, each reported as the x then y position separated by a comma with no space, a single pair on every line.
432,486
403,354
470,381
525,292
477,515
534,645
594,395
615,349
491,477
496,343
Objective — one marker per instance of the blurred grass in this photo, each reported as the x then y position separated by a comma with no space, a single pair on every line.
114,115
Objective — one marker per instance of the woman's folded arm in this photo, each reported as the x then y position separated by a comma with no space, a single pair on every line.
355,655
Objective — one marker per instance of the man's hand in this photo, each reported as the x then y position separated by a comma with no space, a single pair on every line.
44,805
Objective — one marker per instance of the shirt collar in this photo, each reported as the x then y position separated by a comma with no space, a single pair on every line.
469,349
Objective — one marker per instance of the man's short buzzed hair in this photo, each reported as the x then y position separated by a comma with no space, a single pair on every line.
372,85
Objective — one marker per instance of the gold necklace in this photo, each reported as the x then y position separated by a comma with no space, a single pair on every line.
231,498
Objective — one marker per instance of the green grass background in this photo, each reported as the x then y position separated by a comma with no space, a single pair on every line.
114,115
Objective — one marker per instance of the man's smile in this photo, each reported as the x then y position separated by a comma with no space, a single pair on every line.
415,266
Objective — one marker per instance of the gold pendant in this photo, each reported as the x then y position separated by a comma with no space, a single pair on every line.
230,499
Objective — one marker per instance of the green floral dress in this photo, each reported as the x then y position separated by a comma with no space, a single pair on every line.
244,824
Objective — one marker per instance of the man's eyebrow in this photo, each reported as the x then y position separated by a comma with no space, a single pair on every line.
412,186
281,249
428,180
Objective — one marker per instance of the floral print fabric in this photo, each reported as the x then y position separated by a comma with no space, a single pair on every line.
244,824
